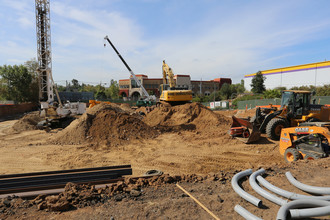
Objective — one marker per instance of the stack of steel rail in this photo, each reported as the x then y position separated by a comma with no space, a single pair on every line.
27,182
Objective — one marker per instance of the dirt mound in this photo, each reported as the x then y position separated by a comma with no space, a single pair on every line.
190,115
78,196
126,107
27,123
105,124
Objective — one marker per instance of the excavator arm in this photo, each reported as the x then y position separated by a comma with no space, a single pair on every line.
168,75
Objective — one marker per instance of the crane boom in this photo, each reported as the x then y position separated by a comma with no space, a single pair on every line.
129,69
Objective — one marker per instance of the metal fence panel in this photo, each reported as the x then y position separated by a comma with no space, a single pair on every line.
321,100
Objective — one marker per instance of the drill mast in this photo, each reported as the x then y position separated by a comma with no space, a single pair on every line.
46,93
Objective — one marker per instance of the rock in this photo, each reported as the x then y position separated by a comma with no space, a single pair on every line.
61,205
135,193
42,206
220,199
52,199
118,198
6,202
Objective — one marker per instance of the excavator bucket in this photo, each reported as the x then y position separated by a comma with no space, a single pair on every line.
244,130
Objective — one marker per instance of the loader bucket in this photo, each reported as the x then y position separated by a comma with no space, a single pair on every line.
244,130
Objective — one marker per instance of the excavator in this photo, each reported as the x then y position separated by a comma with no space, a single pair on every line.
295,109
308,141
169,93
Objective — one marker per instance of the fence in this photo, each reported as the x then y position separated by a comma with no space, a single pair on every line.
321,100
12,109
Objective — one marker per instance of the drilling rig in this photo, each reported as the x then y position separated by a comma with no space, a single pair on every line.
50,110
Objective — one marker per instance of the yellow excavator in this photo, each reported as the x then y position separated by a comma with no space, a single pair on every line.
169,93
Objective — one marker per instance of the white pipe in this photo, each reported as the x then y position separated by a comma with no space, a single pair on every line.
234,183
284,210
245,213
287,194
271,197
307,188
307,213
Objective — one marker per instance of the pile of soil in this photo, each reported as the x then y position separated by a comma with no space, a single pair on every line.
79,196
191,115
27,123
105,124
126,107
158,196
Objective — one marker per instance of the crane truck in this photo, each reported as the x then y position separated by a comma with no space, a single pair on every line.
147,98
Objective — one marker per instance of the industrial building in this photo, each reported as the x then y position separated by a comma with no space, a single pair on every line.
315,74
128,88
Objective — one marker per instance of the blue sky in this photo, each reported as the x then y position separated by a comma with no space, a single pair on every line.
206,39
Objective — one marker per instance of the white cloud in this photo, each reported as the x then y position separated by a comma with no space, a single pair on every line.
247,39
23,12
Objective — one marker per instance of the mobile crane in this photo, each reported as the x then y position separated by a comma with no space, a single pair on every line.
147,98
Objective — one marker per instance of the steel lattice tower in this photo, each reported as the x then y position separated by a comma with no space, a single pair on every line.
46,93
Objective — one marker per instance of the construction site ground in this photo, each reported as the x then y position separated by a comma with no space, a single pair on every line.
190,142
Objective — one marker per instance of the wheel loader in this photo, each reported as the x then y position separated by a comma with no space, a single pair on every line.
295,109
308,141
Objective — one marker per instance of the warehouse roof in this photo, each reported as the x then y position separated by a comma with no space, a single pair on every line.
310,66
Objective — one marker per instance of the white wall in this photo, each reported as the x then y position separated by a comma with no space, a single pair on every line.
297,78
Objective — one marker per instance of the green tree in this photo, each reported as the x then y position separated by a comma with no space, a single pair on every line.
257,83
32,66
323,90
75,85
113,91
100,92
225,91
17,84
272,93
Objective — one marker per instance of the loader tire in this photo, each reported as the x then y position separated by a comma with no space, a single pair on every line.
311,156
274,127
291,154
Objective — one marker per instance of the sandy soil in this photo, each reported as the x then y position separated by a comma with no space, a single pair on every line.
199,151
173,153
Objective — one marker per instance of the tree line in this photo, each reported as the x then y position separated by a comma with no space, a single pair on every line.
100,92
20,83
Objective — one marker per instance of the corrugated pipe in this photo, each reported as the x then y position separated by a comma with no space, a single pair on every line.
245,213
307,188
271,197
284,210
234,183
287,194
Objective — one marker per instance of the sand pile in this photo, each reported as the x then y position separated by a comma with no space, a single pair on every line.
190,115
26,123
126,107
105,124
